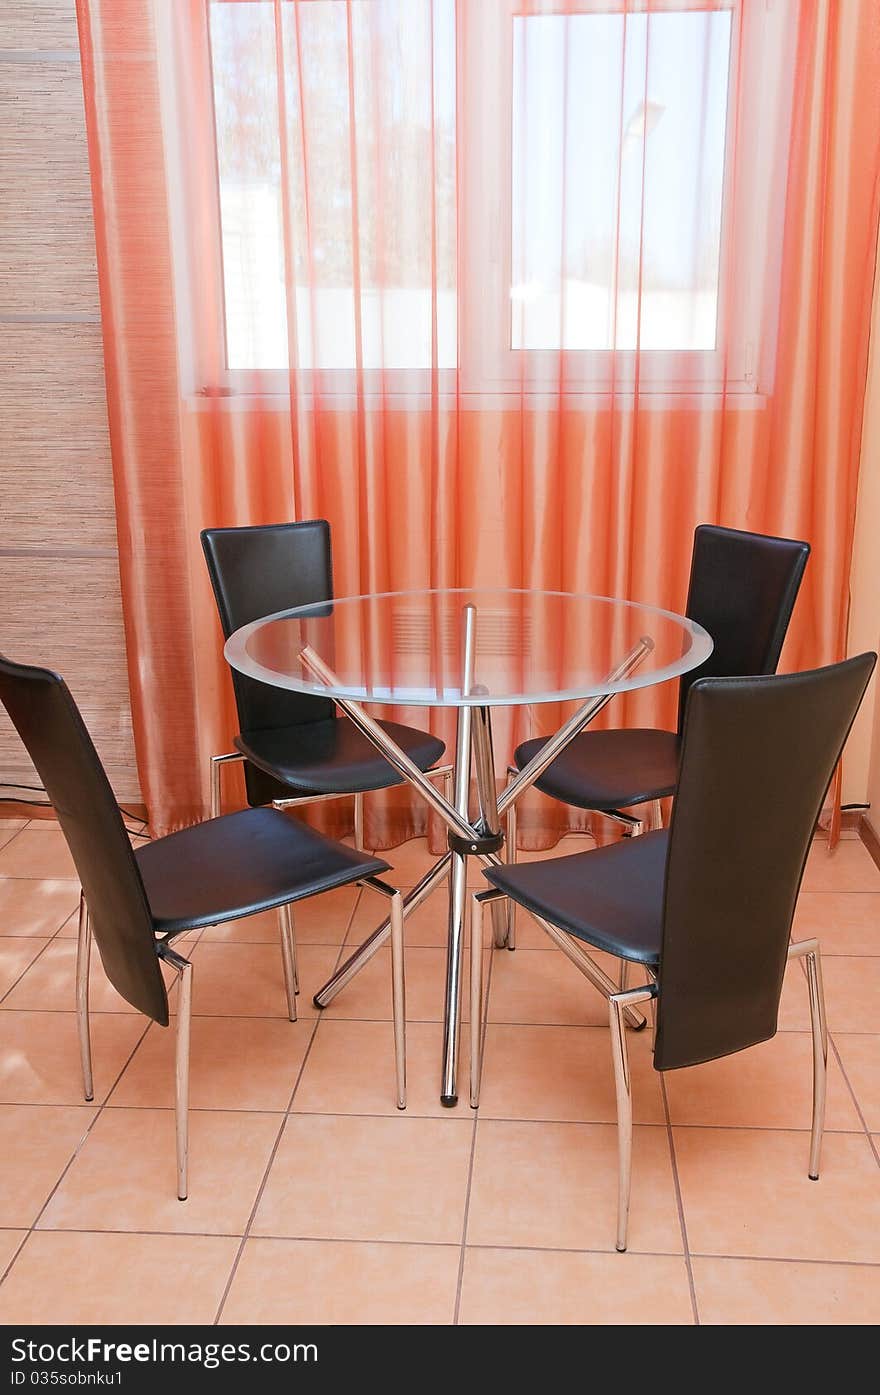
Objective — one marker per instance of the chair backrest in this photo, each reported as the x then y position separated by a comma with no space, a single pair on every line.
758,755
258,571
743,587
49,723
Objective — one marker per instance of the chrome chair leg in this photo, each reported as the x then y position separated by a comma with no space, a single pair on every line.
216,763
288,958
398,981
398,996
820,1058
511,859
181,1079
478,901
183,969
624,974
617,1003
809,950
359,821
656,815
83,958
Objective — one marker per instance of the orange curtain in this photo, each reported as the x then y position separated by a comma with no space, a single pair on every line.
512,294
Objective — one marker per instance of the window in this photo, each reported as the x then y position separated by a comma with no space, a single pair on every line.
572,207
633,158
375,220
617,186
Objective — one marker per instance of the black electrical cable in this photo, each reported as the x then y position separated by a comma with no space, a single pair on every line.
47,804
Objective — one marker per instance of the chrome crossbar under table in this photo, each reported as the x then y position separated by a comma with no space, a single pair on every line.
282,654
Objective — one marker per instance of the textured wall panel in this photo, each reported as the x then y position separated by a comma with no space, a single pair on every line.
65,613
55,476
59,580
47,240
38,24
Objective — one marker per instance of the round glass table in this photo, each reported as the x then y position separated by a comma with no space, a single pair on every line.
472,650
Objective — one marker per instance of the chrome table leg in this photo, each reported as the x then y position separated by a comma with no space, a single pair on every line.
484,767
456,818
458,878
364,953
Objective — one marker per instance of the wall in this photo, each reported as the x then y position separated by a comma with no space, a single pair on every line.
59,576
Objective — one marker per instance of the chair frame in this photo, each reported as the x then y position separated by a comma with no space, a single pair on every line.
184,969
443,772
618,1004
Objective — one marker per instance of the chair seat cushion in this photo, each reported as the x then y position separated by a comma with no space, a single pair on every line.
611,898
609,769
333,757
240,864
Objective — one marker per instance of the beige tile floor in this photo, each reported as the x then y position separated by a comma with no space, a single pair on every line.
313,1200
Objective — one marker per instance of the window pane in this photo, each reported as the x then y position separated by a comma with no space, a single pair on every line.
619,135
368,193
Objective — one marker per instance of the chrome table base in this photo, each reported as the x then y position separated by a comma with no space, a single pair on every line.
481,838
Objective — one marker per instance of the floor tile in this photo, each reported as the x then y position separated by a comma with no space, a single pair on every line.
329,1281
554,1186
746,1193
564,1073
852,995
350,1070
235,1063
767,1086
368,995
844,922
761,1292
36,907
36,1144
124,1177
849,868
320,920
37,852
15,956
247,980
9,828
425,927
9,1243
861,1061
126,1279
39,1055
408,862
550,1287
50,984
368,1179
544,986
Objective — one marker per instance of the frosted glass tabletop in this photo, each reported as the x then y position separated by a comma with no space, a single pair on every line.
409,647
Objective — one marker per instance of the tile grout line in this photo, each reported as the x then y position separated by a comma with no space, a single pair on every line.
680,1204
82,1142
75,1154
454,1245
278,1137
31,962
858,1108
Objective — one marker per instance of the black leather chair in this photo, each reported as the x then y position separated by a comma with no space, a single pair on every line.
742,590
706,906
136,903
295,746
